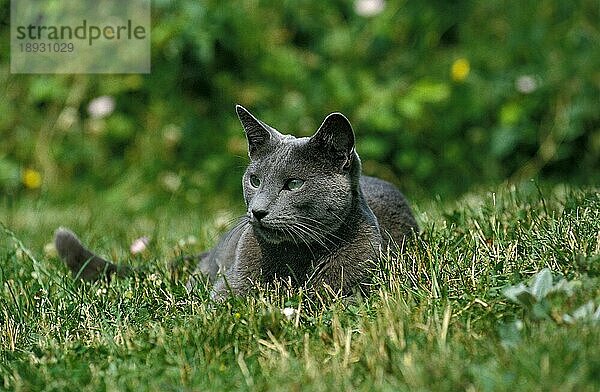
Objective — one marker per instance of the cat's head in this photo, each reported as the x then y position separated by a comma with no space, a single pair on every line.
300,189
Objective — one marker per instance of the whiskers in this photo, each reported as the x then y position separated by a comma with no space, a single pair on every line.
235,225
313,234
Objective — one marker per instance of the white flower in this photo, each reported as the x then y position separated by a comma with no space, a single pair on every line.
190,240
139,245
20,254
101,107
289,313
369,7
519,325
101,291
172,135
171,181
526,84
50,250
155,279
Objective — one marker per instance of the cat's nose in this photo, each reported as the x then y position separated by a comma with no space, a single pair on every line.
259,214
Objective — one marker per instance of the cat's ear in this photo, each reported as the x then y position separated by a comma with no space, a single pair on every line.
258,133
335,138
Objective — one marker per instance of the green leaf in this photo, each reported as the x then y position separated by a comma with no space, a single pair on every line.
565,286
510,333
540,310
428,91
519,294
541,283
510,113
9,173
587,310
410,107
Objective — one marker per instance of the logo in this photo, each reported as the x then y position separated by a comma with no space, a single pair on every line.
80,36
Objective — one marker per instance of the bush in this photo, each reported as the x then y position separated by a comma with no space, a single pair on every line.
443,97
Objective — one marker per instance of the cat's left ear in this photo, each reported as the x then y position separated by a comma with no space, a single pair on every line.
335,138
258,134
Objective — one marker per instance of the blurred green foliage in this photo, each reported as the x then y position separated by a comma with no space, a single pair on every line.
444,96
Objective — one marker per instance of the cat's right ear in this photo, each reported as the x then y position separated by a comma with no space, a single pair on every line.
257,133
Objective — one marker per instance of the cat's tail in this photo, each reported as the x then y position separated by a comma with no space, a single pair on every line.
83,263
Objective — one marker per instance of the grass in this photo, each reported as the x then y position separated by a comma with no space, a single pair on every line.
439,318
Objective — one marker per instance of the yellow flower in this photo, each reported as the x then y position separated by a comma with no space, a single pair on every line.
32,179
460,69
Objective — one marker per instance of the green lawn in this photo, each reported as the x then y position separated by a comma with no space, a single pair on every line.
441,318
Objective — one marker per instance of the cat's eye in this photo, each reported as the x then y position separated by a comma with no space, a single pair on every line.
293,183
254,181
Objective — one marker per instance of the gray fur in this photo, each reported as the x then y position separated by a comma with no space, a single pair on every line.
326,232
83,263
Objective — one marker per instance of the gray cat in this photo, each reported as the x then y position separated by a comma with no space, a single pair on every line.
311,217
